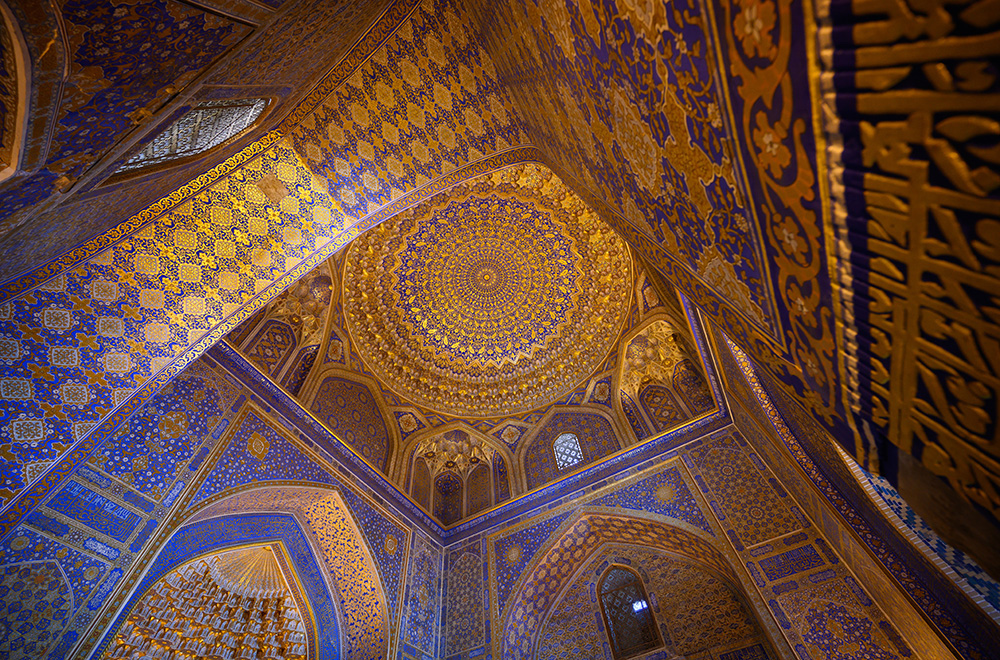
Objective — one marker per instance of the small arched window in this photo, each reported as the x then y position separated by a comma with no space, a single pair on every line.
208,125
567,450
628,616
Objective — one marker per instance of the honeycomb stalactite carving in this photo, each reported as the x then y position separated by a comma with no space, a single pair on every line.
230,606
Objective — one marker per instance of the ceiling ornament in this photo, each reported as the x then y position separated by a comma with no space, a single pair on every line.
493,298
454,450
230,605
651,356
302,305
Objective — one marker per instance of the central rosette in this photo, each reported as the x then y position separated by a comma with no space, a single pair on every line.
488,302
484,287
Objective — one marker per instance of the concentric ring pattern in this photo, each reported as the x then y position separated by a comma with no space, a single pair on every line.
490,299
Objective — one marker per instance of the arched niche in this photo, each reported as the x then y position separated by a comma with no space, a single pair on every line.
353,409
204,538
477,486
236,603
597,432
660,383
346,563
15,75
559,561
693,611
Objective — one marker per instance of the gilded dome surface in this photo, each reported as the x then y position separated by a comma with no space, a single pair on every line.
492,298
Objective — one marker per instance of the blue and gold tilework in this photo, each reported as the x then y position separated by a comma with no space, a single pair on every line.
351,411
915,580
495,298
256,453
626,98
150,450
422,603
43,584
594,431
133,301
342,551
465,606
204,537
109,76
539,586
696,612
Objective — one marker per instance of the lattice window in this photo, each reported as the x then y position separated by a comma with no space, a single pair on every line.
208,125
628,616
567,450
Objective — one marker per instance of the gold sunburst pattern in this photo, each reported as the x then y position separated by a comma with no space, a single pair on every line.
493,298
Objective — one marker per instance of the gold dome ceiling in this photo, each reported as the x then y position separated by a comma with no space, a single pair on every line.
492,298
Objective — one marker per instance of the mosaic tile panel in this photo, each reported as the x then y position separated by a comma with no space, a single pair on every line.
150,450
595,433
574,630
661,407
752,506
271,346
43,584
514,551
665,493
537,590
466,607
256,452
241,241
422,601
623,107
690,384
361,599
350,410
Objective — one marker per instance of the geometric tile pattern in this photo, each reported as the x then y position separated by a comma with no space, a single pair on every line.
691,385
574,629
111,73
465,606
148,451
537,589
42,586
964,565
750,502
219,534
350,410
271,346
696,612
664,493
493,298
423,592
36,605
257,452
329,524
596,439
661,406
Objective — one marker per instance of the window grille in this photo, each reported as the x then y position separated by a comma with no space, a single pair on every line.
208,125
567,450
628,617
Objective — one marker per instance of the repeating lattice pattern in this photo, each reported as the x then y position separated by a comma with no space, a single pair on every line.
567,451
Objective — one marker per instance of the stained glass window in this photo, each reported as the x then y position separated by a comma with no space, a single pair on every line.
208,125
567,450
628,616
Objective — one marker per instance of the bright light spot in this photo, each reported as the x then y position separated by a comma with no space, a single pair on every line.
638,606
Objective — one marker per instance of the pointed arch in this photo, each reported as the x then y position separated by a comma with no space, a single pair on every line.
555,564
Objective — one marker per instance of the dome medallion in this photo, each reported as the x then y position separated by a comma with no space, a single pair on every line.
492,298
